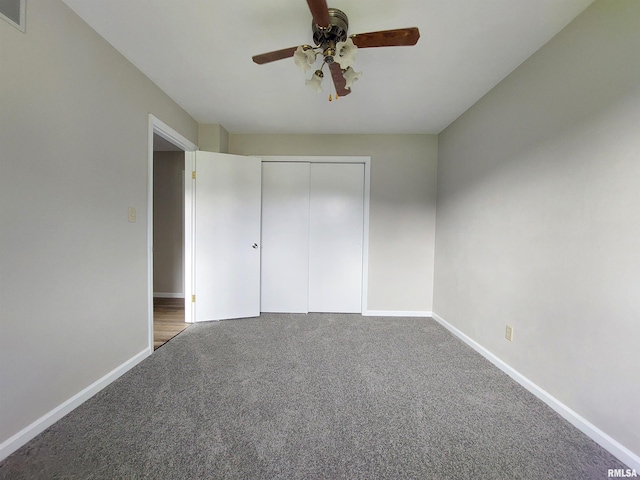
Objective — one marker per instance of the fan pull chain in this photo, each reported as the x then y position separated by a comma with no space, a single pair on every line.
337,96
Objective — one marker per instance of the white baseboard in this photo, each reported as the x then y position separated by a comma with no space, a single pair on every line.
396,313
23,436
167,295
607,442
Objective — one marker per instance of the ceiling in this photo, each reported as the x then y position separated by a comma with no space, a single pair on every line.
199,52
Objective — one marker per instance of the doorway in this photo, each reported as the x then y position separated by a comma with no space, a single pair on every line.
166,235
168,241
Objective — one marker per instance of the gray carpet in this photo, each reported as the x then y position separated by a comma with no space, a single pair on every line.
312,396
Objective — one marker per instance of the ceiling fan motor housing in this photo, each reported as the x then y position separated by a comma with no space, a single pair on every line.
334,33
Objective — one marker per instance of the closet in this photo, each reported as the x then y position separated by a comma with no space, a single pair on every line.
312,237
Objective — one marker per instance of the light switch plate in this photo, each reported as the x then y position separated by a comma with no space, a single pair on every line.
132,214
509,333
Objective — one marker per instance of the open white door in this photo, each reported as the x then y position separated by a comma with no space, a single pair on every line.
226,236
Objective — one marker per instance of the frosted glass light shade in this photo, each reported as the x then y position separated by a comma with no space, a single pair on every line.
315,82
350,76
304,57
346,53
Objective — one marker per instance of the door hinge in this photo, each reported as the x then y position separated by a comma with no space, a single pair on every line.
193,298
193,175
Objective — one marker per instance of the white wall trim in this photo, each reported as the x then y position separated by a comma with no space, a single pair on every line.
396,313
365,233
608,443
314,158
23,436
168,295
165,131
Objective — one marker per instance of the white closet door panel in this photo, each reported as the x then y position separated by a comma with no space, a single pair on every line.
285,237
336,212
227,225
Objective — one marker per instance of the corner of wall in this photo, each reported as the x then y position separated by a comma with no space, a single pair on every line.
213,137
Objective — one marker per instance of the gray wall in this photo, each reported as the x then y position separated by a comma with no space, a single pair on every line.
168,223
73,270
538,221
212,137
402,217
537,213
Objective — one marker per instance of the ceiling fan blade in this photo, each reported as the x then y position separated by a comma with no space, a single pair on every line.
338,79
320,12
275,55
399,37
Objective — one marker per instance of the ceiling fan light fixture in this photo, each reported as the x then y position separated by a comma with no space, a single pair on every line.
315,82
350,76
346,53
304,57
336,48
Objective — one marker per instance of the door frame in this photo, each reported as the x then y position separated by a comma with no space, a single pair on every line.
158,127
367,196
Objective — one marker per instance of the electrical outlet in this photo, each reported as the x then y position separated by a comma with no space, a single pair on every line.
132,214
509,333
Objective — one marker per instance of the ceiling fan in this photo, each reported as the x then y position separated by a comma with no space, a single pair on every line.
336,48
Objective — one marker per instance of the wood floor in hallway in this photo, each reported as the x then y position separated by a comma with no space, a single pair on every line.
168,320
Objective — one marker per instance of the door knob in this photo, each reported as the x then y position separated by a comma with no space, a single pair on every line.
255,245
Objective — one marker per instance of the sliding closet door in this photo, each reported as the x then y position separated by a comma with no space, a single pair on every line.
285,238
336,216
